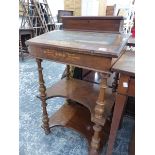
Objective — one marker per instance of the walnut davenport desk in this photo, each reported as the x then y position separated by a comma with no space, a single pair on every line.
85,49
125,86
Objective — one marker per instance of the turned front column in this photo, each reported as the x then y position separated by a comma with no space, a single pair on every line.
99,114
42,90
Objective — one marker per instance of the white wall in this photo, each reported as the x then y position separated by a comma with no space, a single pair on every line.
90,7
55,5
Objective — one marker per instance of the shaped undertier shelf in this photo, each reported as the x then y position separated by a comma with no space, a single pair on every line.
84,93
78,112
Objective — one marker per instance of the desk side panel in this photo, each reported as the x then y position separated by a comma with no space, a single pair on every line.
93,24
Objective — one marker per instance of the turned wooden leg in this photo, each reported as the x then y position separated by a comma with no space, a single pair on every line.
99,112
117,114
42,90
95,143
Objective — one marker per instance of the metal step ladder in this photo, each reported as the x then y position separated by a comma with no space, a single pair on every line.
39,15
26,21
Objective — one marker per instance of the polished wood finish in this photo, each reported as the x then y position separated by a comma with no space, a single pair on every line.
93,23
78,90
86,23
74,116
86,43
90,50
79,72
125,66
99,114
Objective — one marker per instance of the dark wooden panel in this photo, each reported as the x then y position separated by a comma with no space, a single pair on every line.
111,24
131,90
95,17
63,13
93,25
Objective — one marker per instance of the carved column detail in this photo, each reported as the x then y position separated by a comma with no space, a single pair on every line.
42,90
99,108
99,112
95,143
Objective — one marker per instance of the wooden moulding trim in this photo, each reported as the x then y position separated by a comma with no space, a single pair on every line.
94,17
102,64
92,30
108,54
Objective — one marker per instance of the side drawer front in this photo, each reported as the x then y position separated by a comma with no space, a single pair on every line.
91,62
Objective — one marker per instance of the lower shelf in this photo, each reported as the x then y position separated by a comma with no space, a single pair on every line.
83,92
77,117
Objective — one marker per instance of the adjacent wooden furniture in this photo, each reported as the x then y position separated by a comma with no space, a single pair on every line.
125,69
110,10
63,13
59,24
24,34
85,49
